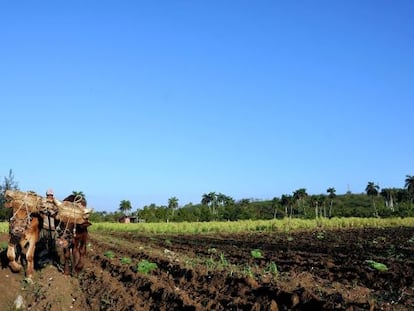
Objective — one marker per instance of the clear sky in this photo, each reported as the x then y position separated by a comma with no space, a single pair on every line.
146,100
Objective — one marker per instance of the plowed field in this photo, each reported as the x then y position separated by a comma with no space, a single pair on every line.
318,270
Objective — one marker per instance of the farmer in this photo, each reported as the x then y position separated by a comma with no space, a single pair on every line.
46,250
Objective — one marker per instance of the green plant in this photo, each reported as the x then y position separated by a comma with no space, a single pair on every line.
223,260
248,271
146,266
256,253
320,235
109,254
210,263
126,261
377,265
272,269
286,225
212,250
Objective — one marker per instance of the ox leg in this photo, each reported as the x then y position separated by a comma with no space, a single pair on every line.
77,259
11,256
81,252
30,256
66,254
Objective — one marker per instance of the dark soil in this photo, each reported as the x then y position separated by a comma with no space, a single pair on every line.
318,270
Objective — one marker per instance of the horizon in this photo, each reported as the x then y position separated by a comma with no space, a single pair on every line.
183,204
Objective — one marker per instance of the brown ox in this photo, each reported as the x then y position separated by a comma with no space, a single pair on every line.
73,238
24,228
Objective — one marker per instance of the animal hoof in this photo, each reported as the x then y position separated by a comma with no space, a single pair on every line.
15,267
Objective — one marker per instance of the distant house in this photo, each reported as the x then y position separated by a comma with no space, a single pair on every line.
127,219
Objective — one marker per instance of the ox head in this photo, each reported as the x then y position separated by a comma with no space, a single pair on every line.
19,223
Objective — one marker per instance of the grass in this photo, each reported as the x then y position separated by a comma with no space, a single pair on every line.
278,225
4,227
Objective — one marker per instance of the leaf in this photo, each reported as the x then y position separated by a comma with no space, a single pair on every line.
377,265
256,253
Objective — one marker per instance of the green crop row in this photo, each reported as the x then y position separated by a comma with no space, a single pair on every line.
283,225
278,225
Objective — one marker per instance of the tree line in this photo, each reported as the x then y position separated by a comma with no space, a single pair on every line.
374,202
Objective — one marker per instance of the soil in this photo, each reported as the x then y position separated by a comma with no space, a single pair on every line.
313,270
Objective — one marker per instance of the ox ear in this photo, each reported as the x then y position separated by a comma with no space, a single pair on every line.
9,194
86,224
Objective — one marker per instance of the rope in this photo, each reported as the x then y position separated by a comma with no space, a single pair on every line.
27,218
77,200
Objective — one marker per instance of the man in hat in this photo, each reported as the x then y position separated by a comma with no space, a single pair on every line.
46,249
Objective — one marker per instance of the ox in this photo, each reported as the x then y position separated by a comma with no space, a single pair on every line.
72,238
24,229
29,219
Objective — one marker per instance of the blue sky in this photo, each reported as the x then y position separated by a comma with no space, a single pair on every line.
146,100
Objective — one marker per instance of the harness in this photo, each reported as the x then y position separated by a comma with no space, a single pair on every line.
17,226
65,233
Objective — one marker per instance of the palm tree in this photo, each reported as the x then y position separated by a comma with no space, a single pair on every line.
299,196
206,199
315,202
372,190
172,204
210,200
125,206
79,194
275,205
221,198
318,200
409,185
223,201
286,202
228,201
388,195
331,196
